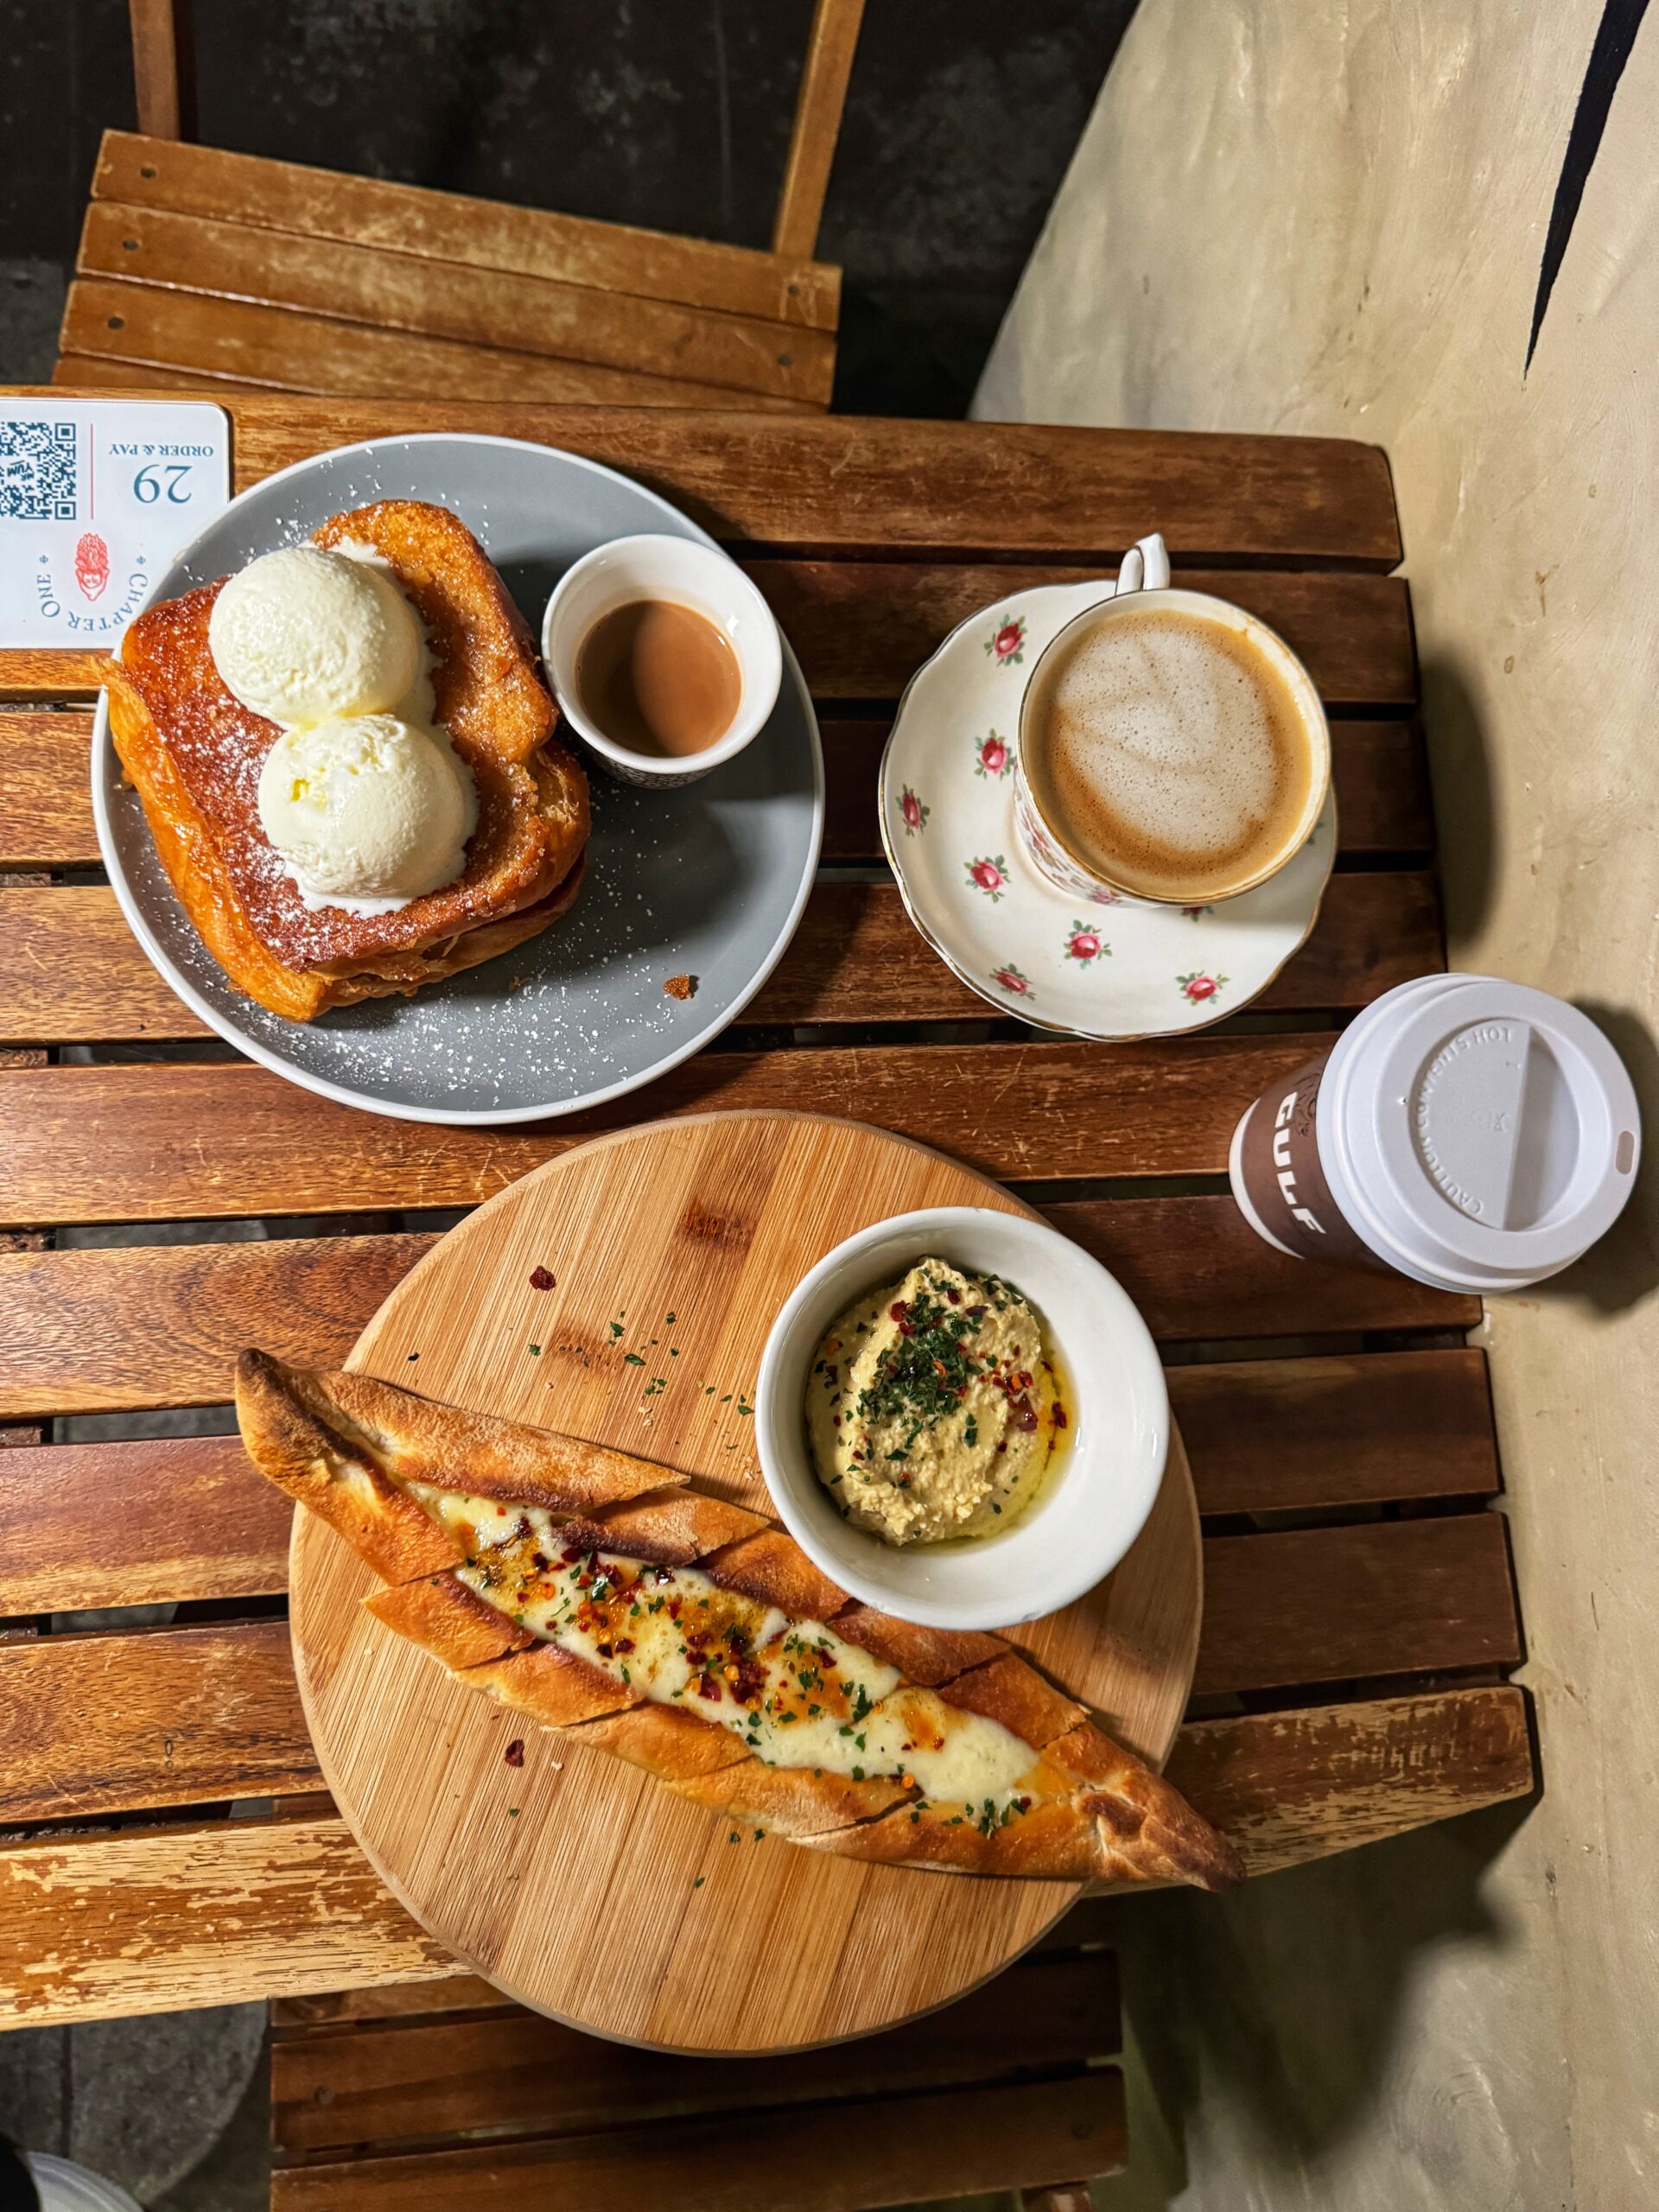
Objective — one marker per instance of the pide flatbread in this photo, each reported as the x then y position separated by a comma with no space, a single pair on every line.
607,1598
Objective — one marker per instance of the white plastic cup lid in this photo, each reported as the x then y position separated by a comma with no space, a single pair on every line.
1484,1134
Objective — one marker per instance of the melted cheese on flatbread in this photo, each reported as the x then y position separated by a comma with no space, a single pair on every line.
793,1691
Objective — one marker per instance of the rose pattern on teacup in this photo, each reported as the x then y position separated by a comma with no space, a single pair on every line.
990,876
1011,978
1085,945
991,755
912,813
1198,987
1007,643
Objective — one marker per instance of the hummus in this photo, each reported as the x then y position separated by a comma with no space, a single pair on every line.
931,1409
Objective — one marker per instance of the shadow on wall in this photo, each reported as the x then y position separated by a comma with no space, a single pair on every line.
1623,1268
1460,771
1278,2016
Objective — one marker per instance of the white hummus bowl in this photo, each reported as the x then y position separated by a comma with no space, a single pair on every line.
1079,1527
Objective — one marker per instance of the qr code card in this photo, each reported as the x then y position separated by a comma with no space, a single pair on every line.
96,497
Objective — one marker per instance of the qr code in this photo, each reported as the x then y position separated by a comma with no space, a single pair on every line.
37,471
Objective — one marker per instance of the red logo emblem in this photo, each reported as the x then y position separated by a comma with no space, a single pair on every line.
92,565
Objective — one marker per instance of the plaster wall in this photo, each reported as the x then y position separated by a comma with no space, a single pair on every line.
1332,219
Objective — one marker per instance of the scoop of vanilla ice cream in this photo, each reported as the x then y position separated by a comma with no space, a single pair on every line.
303,634
367,811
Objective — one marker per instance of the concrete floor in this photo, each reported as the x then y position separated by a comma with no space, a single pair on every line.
175,2106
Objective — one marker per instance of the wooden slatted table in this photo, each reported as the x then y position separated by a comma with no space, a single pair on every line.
165,1840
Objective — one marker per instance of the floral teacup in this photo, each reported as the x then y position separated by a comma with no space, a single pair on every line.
1145,575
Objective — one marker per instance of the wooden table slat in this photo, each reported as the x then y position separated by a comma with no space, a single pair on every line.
72,972
298,2017
121,1329
118,1330
180,1716
1381,774
163,1520
516,2070
999,2137
861,628
103,1724
163,1141
153,1521
889,487
213,1914
1304,1606
1291,1786
1298,1435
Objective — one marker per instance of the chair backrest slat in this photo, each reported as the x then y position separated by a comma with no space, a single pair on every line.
830,51
163,67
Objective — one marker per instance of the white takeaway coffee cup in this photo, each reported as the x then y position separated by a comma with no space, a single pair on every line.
1470,1132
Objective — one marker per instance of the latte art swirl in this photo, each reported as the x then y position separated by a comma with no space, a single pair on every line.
1169,753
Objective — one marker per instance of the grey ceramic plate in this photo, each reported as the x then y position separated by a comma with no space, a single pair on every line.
709,881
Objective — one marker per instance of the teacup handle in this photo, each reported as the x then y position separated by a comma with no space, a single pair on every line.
1146,567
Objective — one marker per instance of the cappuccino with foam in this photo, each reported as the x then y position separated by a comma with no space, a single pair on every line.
1171,755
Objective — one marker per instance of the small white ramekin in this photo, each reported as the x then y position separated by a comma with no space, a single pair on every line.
1078,1530
690,575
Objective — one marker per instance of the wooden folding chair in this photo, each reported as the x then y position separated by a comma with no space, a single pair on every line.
202,267
446,2095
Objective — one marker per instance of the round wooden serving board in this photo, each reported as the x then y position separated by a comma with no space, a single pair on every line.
574,1882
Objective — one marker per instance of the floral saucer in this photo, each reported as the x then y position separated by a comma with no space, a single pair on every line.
1122,969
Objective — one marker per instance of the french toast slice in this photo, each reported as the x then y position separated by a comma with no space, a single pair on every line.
195,755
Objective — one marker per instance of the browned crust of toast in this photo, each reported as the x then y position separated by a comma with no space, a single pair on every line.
1047,1842
491,697
770,1567
290,1424
1092,1810
418,1439
1008,1690
556,1687
671,1527
793,1801
671,1744
450,1621
192,753
923,1655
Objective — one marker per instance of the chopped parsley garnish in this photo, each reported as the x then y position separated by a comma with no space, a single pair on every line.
925,1375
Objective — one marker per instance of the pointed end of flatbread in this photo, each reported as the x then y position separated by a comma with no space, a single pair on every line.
293,1434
